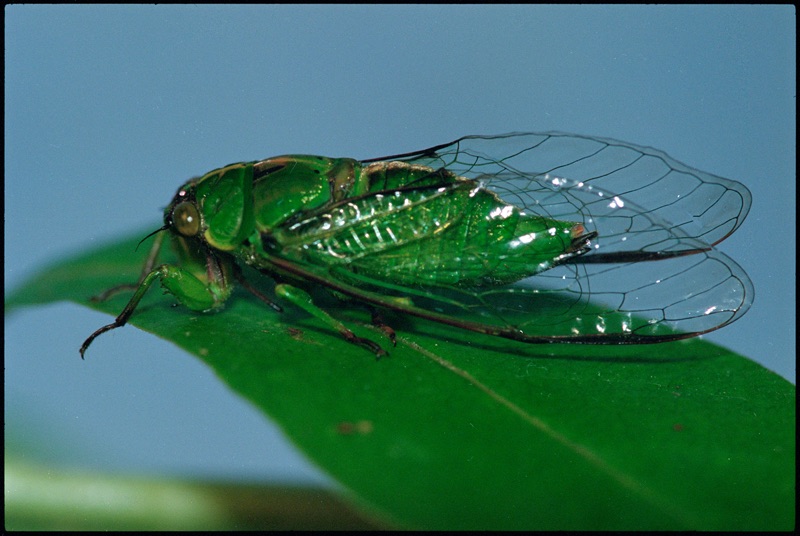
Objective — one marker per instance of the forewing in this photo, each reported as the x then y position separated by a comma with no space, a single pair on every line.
652,274
670,206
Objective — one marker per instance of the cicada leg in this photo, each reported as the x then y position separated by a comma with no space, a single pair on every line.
303,300
380,323
188,289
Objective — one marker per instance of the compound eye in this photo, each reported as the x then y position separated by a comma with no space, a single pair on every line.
186,219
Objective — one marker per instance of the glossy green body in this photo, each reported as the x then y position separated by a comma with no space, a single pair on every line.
394,222
402,223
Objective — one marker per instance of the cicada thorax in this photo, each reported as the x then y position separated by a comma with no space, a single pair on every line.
241,203
287,187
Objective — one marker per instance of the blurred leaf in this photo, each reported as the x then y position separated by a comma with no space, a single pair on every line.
39,498
456,430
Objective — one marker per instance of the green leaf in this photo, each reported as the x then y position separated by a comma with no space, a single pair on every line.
456,430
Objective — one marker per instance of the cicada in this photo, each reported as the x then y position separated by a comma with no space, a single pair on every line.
536,237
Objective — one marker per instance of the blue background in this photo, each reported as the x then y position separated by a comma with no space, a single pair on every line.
109,109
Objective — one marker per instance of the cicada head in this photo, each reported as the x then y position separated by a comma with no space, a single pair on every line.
216,208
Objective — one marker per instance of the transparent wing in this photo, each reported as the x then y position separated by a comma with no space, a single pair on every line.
653,273
640,198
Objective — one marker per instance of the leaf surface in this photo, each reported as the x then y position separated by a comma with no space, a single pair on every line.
456,430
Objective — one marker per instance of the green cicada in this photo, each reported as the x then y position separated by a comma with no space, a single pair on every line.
543,237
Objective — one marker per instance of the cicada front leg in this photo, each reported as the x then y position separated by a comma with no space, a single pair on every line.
199,293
